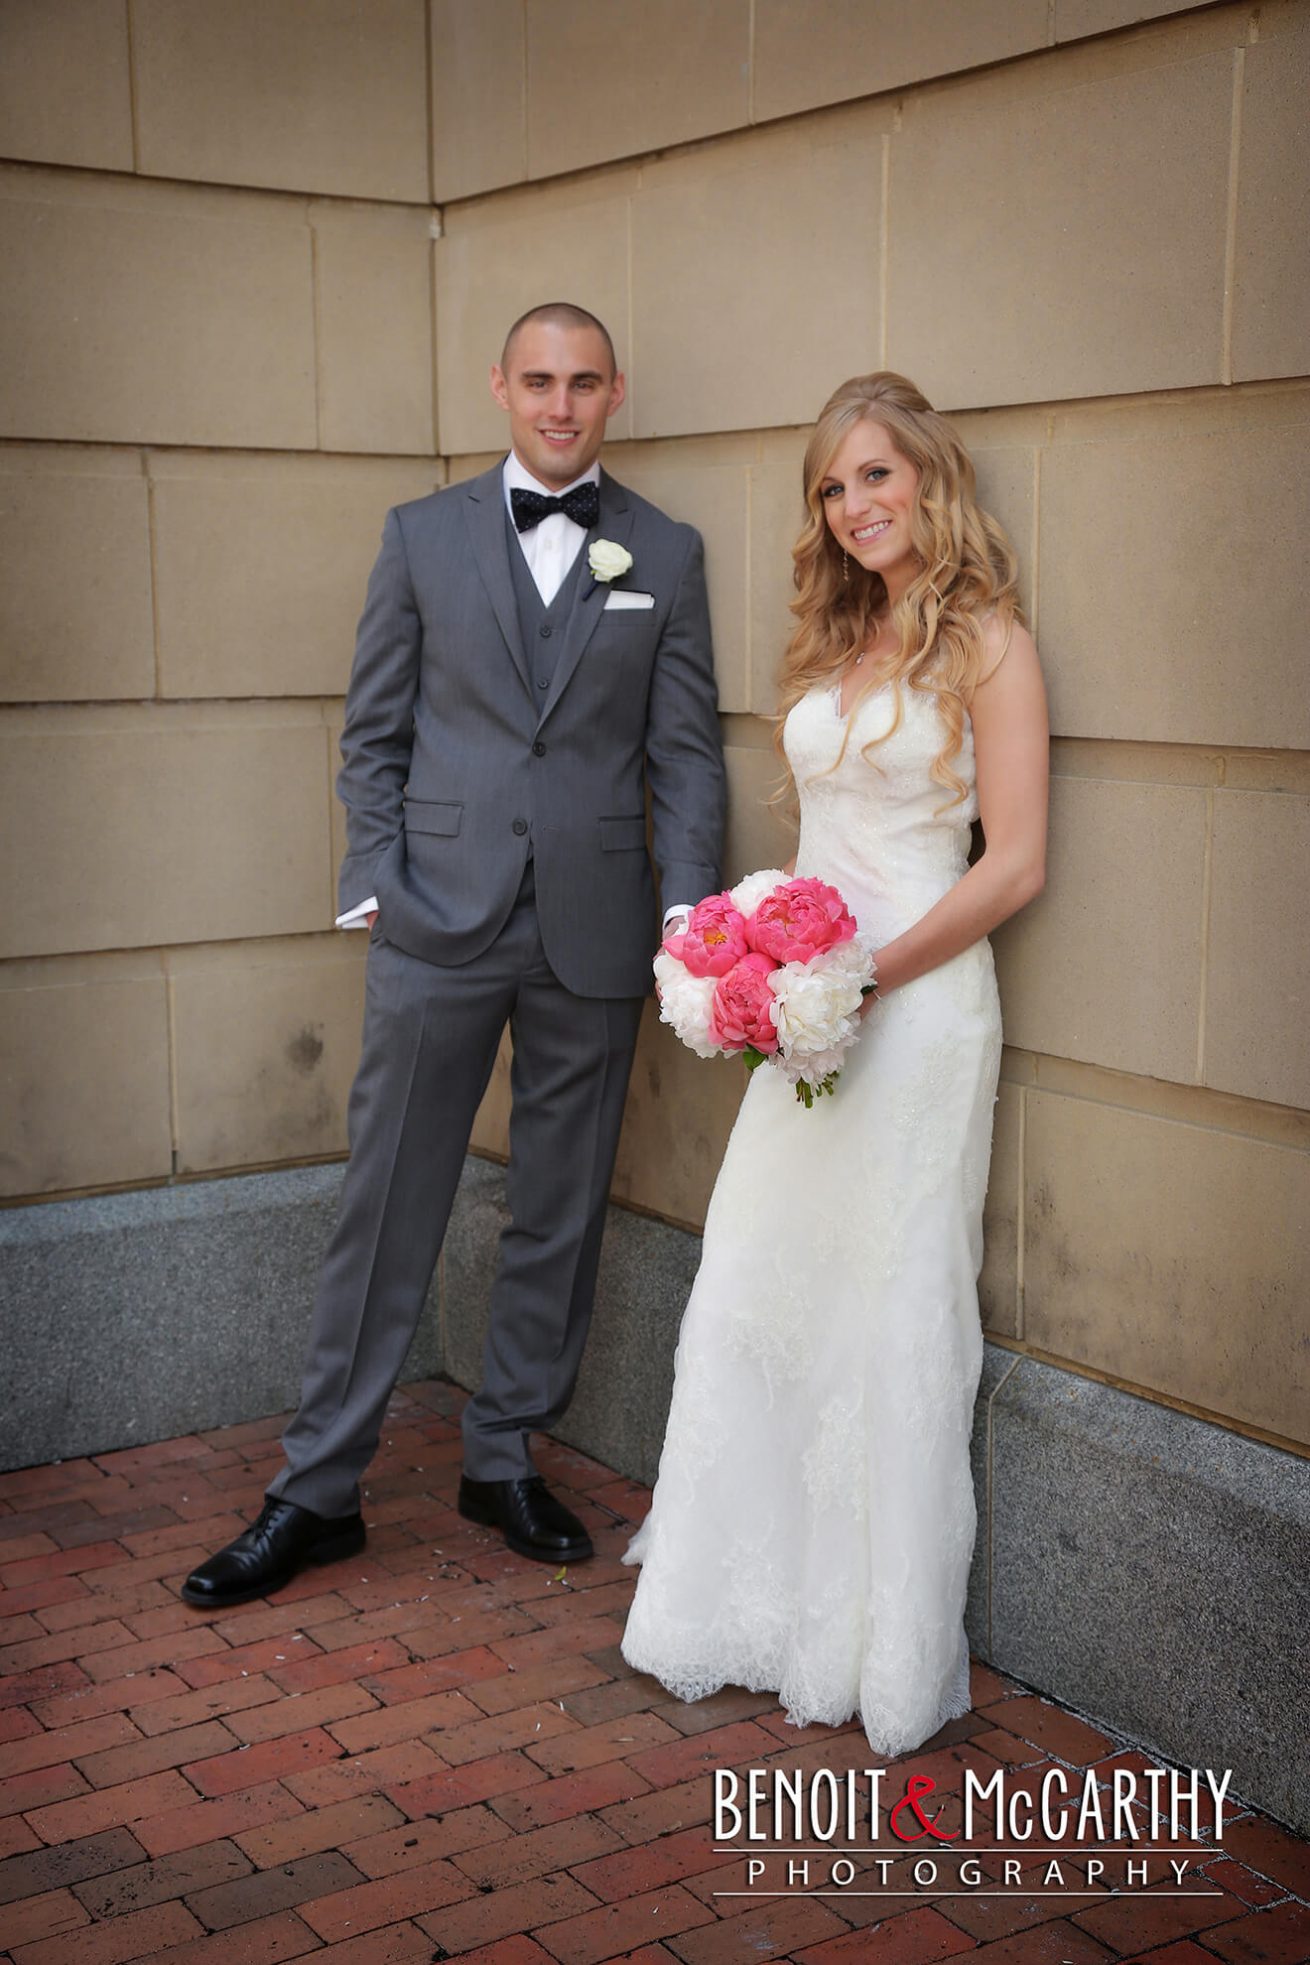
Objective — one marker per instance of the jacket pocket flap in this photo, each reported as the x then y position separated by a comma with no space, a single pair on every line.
619,835
431,815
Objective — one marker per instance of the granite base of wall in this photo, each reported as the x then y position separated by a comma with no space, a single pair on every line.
1151,1569
135,1317
1142,1566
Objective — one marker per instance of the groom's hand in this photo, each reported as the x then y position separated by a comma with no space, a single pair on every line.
371,916
675,923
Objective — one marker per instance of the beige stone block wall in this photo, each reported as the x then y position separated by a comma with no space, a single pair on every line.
479,96
1074,18
84,1071
309,95
821,51
235,330
65,83
261,564
375,363
163,823
171,314
1257,1023
266,1039
706,243
82,629
1271,302
507,75
138,312
1138,1263
1064,280
659,72
1153,629
491,1121
759,832
1106,965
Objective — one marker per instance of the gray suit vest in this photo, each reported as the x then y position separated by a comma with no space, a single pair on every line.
541,628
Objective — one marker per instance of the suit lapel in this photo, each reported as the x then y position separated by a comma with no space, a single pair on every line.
615,523
485,512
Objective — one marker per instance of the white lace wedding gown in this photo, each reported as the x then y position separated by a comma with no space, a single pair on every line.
813,1521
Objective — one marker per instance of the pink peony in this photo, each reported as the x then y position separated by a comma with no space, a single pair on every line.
800,920
741,1012
713,940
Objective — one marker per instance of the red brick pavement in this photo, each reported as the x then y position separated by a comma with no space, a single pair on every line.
436,1751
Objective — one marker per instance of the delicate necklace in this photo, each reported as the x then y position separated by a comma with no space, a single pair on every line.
879,625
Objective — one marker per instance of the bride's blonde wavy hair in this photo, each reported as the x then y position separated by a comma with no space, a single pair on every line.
966,573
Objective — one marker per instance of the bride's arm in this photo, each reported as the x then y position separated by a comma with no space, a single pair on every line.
1010,737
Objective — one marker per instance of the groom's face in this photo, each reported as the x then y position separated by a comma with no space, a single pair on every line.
560,389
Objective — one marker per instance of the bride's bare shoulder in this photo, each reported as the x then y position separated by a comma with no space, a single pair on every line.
1006,645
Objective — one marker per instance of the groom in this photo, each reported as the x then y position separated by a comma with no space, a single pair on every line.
533,659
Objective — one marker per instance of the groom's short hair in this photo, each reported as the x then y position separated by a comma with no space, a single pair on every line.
560,313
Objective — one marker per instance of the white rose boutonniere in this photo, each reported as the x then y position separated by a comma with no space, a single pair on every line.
608,561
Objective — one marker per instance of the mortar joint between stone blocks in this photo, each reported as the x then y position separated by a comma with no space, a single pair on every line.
1230,219
133,107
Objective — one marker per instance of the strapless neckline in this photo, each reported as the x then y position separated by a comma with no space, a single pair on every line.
833,695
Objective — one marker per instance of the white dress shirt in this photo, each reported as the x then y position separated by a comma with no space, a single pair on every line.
550,548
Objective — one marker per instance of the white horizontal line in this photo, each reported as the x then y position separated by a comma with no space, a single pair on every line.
1153,1894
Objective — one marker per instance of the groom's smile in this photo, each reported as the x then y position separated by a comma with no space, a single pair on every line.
560,386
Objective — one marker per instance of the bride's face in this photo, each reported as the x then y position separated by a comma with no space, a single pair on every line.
869,492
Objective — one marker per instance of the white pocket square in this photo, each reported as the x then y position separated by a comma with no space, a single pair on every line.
624,597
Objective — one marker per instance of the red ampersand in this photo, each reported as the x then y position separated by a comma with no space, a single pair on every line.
917,1785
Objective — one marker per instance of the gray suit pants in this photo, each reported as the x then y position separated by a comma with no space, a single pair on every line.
430,1040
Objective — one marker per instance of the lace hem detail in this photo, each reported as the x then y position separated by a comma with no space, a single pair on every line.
887,1735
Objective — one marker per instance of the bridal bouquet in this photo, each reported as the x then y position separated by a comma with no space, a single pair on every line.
775,970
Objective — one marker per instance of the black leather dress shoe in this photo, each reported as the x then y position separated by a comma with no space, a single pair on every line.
269,1553
529,1517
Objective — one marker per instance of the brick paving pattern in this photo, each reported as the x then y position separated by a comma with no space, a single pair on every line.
435,1750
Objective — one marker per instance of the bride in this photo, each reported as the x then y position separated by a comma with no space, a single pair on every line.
813,1521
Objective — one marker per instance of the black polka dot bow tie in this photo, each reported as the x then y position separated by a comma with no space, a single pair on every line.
581,504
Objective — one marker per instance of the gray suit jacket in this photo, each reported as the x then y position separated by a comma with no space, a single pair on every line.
456,766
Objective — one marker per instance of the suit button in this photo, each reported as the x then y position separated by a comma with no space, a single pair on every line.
538,749
520,827
544,633
544,682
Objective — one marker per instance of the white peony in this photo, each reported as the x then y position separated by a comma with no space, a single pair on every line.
748,893
607,559
685,1004
818,1009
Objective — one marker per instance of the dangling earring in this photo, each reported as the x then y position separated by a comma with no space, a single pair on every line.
845,566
